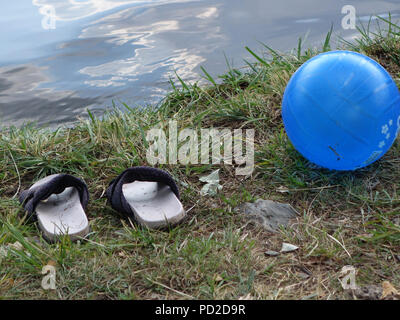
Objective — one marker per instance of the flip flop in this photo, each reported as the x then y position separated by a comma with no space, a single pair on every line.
58,202
147,195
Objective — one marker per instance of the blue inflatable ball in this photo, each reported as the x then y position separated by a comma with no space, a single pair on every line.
341,110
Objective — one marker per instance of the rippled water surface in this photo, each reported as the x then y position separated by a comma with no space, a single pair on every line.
97,51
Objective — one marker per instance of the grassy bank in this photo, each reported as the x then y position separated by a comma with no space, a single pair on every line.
349,218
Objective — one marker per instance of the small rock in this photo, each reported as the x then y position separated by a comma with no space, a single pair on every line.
270,214
370,292
287,247
3,251
272,253
16,246
303,275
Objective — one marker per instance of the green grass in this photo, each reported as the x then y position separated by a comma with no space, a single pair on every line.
349,218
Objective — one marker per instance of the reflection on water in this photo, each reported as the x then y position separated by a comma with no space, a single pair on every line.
125,50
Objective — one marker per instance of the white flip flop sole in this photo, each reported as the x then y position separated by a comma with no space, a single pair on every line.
62,214
153,203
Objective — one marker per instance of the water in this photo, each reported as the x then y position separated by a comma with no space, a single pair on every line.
102,51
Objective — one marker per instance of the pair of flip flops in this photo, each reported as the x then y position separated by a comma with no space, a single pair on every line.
148,196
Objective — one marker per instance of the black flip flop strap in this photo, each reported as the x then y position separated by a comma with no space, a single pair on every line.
116,196
30,198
